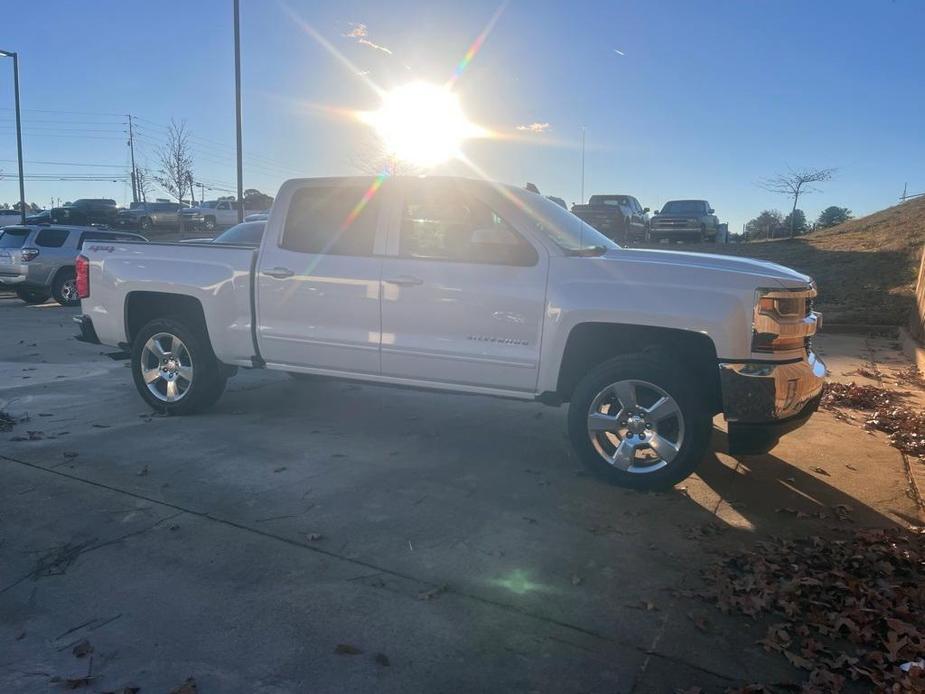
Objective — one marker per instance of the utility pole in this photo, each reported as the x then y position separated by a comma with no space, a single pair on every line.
202,191
131,147
237,105
584,131
22,184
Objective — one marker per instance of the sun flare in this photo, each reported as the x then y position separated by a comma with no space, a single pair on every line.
422,124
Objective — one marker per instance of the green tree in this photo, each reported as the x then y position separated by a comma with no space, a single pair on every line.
767,225
833,215
796,220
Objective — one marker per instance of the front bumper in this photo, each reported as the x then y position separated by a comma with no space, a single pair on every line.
762,401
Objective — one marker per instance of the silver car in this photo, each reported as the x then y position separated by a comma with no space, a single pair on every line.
37,261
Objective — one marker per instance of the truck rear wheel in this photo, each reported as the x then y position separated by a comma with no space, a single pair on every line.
174,368
636,422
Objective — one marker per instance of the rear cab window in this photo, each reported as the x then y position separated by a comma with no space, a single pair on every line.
332,220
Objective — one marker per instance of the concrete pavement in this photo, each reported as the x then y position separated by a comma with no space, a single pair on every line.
452,537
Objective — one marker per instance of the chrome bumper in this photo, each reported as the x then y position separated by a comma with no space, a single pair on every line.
763,401
763,392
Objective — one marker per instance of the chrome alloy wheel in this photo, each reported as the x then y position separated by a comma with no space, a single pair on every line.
166,367
636,426
69,290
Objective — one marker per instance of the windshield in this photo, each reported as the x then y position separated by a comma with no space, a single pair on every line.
246,233
13,238
566,230
684,207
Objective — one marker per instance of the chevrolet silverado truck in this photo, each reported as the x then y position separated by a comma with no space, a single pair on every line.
685,220
471,287
618,217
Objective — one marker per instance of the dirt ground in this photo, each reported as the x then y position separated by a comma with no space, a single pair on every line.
320,536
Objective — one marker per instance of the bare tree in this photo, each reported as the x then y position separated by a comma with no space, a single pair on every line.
176,161
794,183
143,182
372,158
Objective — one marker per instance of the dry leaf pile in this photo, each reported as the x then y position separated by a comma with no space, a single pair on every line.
848,610
885,412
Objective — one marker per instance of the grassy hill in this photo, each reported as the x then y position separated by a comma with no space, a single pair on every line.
865,269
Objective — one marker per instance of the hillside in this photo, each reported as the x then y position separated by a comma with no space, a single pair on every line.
866,268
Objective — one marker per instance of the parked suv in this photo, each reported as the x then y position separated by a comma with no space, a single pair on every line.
86,211
146,215
689,220
37,261
618,217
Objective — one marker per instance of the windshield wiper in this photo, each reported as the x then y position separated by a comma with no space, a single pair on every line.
589,252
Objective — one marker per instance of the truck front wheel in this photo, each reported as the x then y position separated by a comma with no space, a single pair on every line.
174,368
636,422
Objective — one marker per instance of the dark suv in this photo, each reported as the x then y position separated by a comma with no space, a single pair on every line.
37,261
86,212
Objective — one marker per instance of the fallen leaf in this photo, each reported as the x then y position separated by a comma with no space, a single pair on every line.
433,592
143,472
70,454
820,471
576,580
188,687
346,649
82,649
382,659
314,537
699,621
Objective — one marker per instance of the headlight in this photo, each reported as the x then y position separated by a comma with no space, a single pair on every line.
783,319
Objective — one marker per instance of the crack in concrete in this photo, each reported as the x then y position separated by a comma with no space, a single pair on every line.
625,643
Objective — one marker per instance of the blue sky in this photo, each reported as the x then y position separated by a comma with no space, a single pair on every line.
705,99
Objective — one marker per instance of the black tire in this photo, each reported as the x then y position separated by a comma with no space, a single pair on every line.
144,224
697,420
208,380
209,223
64,288
32,296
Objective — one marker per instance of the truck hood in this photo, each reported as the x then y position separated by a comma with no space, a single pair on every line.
759,269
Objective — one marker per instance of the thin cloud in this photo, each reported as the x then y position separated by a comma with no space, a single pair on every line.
536,128
360,34
618,51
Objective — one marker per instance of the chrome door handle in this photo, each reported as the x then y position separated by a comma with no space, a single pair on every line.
405,281
279,272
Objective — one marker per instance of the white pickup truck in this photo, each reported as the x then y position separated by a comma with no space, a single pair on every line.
472,287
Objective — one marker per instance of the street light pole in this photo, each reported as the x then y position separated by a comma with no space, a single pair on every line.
22,183
584,131
237,105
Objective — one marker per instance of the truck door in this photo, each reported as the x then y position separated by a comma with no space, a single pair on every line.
318,279
463,291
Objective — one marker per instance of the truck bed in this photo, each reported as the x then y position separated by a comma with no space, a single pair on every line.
218,277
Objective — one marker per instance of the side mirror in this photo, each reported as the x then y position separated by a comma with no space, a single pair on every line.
645,209
711,210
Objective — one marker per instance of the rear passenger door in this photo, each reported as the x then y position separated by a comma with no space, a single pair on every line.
56,250
318,280
463,291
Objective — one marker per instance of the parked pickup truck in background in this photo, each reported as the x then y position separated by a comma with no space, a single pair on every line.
472,287
211,215
86,212
687,220
618,217
147,215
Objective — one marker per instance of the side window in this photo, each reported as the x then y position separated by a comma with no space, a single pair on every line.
440,222
223,206
331,221
51,238
93,236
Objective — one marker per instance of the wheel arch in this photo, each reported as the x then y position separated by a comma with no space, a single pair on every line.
142,307
592,343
